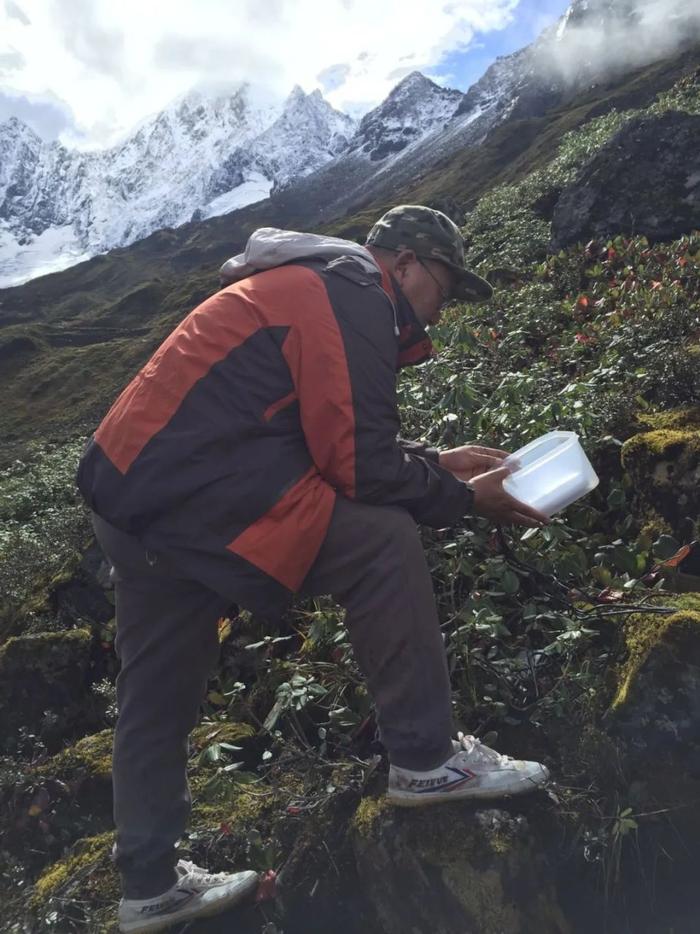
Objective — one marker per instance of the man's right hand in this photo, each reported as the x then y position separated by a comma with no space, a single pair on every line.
492,502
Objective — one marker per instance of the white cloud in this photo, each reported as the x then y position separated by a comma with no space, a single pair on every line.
115,63
657,28
16,12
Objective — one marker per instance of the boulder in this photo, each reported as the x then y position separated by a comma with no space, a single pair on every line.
656,708
645,180
455,870
664,466
654,722
43,682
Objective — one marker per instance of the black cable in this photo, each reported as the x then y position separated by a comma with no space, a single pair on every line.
563,590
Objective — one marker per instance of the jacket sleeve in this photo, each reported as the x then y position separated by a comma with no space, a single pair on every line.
344,366
420,449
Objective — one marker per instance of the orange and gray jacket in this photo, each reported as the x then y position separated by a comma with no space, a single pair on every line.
277,394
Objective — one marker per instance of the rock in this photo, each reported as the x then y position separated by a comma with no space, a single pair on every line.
664,465
645,180
453,870
657,705
83,595
91,757
87,869
43,678
654,723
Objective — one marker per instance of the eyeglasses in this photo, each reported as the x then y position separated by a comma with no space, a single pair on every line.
446,296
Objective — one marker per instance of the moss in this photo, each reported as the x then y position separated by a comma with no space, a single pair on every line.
41,673
664,442
48,656
218,797
87,854
643,632
664,466
91,755
653,525
39,599
367,813
59,647
223,732
675,419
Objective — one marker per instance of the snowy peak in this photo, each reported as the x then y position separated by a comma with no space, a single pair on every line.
415,108
208,152
594,40
197,117
598,39
305,136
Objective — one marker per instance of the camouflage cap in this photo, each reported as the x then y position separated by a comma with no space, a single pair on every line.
431,235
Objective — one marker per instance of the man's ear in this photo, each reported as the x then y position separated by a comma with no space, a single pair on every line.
403,260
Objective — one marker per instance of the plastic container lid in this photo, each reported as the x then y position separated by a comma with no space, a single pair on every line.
553,472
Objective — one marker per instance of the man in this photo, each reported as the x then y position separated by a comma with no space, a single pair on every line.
256,456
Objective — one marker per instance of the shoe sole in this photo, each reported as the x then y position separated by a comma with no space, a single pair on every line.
413,800
208,911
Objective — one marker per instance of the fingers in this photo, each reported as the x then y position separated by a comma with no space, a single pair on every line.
490,452
500,473
485,462
523,511
518,518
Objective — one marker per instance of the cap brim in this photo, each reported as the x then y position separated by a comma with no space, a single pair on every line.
470,287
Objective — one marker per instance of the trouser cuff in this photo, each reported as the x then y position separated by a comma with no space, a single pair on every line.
423,760
149,882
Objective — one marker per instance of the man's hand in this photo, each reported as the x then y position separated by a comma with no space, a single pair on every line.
471,460
492,501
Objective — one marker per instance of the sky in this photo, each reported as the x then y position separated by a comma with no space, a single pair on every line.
86,72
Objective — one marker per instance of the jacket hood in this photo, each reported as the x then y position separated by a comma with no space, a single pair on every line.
268,247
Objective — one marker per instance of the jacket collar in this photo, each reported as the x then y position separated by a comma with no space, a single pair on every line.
414,344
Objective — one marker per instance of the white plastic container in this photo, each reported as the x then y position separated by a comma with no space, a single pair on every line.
553,472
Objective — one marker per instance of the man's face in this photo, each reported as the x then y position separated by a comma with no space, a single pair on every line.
427,284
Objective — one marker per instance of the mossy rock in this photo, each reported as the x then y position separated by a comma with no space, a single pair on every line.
86,877
655,724
223,732
86,767
646,635
43,676
656,709
664,465
455,870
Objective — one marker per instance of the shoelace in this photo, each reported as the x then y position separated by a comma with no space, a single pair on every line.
197,874
475,749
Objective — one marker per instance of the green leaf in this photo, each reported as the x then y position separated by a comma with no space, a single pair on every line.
510,582
616,499
209,754
625,559
665,547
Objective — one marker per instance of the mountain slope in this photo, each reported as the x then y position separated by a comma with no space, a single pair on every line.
508,153
555,639
584,50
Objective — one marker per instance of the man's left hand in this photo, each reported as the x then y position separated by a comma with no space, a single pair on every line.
471,460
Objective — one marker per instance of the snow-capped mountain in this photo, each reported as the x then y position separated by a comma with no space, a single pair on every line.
416,111
306,135
592,41
208,155
201,156
414,108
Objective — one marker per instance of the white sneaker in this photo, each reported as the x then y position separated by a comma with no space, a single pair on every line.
474,771
196,894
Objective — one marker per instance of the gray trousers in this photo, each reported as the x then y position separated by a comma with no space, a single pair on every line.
372,563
